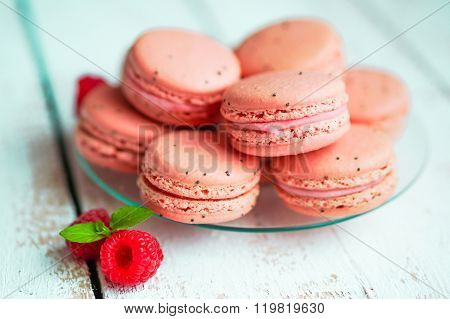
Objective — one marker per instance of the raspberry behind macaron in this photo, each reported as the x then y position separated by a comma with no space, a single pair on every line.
85,84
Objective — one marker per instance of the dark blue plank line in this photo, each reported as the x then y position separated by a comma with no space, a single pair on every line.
26,19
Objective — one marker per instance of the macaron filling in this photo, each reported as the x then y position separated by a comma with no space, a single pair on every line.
104,154
275,126
111,138
167,105
108,144
105,150
331,193
149,185
194,210
328,193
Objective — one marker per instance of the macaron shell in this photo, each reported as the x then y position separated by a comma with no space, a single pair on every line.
105,155
196,211
185,61
375,95
188,163
336,65
328,184
110,139
302,45
344,205
185,119
362,149
283,92
107,109
200,191
110,133
392,126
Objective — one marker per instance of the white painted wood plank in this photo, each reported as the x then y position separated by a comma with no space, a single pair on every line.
361,41
105,45
428,44
33,193
319,263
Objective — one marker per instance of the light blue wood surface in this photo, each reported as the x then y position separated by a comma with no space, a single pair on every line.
428,45
33,192
412,231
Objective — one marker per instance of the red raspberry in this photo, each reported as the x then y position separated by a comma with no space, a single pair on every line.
85,85
130,257
89,251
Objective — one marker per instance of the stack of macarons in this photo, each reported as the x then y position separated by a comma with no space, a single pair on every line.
171,78
195,177
351,176
324,135
110,133
285,112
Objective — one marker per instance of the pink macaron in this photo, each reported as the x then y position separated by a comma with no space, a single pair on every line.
300,44
178,77
378,99
194,177
110,133
351,176
285,113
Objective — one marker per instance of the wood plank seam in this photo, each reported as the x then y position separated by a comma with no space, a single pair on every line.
26,17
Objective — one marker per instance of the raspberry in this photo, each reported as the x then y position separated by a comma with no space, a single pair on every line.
89,250
85,85
130,257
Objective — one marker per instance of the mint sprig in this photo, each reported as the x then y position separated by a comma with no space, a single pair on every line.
129,216
122,218
85,232
102,229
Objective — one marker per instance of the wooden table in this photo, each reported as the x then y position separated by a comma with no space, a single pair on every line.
401,251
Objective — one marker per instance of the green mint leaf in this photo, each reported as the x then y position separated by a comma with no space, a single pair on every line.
85,232
101,229
129,216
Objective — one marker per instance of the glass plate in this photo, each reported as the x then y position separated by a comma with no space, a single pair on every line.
270,214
